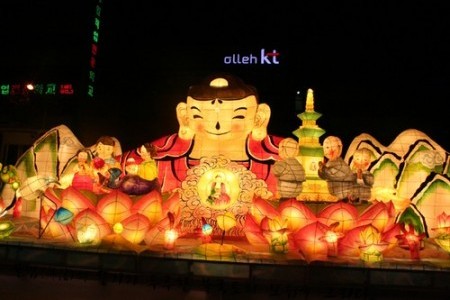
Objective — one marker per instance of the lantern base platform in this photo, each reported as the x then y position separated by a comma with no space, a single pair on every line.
244,265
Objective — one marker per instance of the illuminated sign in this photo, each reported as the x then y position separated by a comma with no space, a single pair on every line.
94,49
262,58
44,89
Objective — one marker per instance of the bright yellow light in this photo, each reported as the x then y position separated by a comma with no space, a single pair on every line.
118,228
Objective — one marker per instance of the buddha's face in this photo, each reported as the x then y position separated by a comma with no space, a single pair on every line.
222,120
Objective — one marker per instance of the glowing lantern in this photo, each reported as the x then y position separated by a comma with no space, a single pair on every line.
88,234
276,234
52,229
443,224
149,205
75,201
89,222
115,207
155,235
135,227
332,239
411,239
379,214
170,235
118,228
63,216
442,237
253,231
6,228
310,241
261,208
344,213
371,246
296,214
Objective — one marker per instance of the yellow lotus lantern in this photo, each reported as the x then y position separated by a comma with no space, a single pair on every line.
276,234
442,237
371,245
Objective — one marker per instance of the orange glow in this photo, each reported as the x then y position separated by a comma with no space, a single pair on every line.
170,237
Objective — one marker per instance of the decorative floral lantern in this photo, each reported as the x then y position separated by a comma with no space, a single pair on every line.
51,229
442,237
253,232
75,201
332,237
371,245
276,234
379,214
261,208
310,241
296,214
149,205
115,207
344,213
135,227
90,227
63,216
411,239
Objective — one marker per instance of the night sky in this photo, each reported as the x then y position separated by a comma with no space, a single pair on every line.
376,68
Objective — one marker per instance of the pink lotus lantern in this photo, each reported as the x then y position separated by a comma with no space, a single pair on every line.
115,207
253,232
310,241
90,227
379,214
261,208
149,205
135,227
296,214
344,213
75,201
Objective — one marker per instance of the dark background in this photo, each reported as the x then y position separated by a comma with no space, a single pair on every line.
375,67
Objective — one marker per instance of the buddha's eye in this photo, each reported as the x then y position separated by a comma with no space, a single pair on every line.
239,117
197,117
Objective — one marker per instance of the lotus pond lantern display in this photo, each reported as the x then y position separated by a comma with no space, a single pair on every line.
215,177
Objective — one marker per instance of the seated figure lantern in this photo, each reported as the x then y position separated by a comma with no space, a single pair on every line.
220,117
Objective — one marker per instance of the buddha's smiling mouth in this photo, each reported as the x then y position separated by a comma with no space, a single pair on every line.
219,133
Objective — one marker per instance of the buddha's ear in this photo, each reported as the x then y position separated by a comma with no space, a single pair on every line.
262,118
184,132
